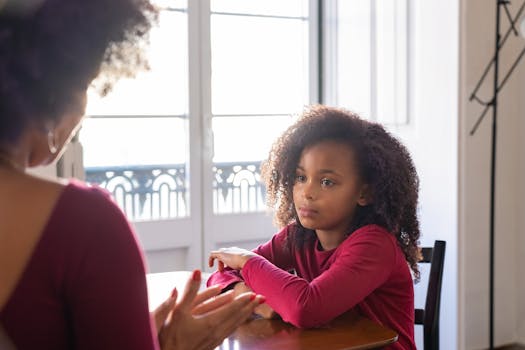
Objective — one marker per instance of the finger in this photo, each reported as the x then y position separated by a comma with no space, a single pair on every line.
222,322
190,291
213,304
232,315
229,310
214,255
220,265
206,294
161,313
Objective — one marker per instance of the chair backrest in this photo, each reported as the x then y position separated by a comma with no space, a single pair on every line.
429,316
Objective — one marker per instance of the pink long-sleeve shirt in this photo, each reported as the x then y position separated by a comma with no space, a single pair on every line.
367,271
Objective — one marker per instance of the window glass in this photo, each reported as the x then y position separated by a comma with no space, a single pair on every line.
162,90
259,64
371,74
247,138
291,8
260,79
136,140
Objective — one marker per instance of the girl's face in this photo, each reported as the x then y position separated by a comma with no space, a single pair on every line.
327,187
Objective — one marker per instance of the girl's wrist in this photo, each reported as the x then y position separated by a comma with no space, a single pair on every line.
245,260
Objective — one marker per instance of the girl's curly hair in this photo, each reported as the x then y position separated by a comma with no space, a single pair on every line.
384,164
51,50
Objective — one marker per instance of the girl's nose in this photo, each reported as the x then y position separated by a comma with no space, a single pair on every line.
309,191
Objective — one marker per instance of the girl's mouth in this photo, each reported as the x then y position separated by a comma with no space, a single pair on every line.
307,212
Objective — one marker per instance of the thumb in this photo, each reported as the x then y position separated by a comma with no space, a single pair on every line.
160,314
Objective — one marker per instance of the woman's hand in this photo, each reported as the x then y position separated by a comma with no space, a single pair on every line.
201,320
203,301
233,257
263,310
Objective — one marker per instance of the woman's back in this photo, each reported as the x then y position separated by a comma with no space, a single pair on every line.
25,206
81,283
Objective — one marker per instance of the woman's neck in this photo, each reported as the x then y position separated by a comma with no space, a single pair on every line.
9,162
16,156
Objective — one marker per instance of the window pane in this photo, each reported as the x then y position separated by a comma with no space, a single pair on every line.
141,161
354,56
246,138
163,90
134,141
259,65
129,147
391,50
372,54
260,76
237,187
262,7
170,4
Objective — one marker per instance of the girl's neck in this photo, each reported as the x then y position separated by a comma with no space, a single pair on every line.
329,240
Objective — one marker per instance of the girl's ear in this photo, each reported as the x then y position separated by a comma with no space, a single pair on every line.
365,197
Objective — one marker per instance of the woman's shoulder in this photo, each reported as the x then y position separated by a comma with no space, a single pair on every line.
53,190
88,215
75,189
84,202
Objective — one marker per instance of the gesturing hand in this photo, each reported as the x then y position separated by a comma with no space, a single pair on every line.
201,320
263,310
233,257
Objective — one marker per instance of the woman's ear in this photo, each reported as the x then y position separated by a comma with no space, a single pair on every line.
365,197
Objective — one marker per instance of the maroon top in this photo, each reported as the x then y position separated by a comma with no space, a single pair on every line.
368,271
85,285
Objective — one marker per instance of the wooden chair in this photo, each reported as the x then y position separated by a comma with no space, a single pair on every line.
429,316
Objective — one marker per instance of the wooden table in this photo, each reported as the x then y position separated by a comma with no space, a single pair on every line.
347,332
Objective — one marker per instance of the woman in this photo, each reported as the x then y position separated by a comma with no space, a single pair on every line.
71,271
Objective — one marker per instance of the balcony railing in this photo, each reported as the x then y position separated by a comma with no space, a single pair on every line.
149,192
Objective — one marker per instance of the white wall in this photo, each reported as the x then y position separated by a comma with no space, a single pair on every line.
477,47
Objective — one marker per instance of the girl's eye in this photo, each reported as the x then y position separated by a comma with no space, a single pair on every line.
327,182
300,178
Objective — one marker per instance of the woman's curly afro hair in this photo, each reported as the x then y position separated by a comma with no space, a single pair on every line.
384,165
51,50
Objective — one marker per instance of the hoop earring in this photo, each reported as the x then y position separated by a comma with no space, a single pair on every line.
51,142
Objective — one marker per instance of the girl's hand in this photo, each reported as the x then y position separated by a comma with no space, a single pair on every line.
201,320
233,257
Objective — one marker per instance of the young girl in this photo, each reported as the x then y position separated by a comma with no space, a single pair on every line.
345,192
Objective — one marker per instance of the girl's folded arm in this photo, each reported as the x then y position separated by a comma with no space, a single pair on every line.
362,266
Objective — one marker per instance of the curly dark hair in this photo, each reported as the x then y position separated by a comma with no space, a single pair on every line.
384,164
51,50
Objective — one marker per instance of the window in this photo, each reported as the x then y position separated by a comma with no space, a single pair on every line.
136,139
180,146
367,47
260,67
